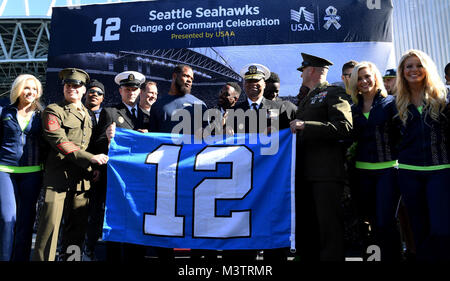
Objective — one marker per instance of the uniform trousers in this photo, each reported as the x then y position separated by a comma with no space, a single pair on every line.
97,197
319,221
426,195
74,205
19,193
379,196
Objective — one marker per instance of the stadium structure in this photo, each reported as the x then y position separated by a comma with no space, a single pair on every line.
157,65
24,46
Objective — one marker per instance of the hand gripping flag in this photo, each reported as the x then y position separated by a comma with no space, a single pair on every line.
200,196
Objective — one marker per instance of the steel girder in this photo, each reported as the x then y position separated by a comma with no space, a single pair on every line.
23,48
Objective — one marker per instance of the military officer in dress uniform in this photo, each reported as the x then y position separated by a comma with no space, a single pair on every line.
254,76
67,128
323,120
127,115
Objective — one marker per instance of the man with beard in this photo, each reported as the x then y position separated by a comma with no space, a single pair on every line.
389,80
228,96
179,97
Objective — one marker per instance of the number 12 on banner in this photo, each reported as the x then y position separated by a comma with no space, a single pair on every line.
112,25
206,223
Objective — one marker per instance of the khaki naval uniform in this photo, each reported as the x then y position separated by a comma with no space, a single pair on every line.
320,171
67,131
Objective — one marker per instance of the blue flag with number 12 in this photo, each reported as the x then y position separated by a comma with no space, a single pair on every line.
223,195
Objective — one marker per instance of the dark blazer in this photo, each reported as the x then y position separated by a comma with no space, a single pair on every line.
285,115
424,141
123,119
377,136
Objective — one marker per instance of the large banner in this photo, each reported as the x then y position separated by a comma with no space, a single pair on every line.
183,206
193,24
216,38
222,195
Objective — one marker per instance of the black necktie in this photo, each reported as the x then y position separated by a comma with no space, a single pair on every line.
302,94
255,106
133,115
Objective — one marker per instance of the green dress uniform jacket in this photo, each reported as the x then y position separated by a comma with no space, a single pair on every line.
68,133
320,172
66,178
328,120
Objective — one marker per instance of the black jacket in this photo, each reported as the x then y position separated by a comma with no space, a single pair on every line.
123,119
274,109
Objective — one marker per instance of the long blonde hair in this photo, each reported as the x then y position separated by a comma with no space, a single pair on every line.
433,88
17,88
353,83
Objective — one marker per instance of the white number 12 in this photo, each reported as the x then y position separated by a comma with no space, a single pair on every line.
112,25
206,223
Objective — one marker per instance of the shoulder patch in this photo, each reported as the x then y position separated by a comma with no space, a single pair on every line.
52,123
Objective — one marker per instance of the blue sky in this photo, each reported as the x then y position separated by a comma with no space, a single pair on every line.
41,7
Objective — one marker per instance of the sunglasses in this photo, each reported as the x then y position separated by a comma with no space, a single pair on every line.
347,74
92,91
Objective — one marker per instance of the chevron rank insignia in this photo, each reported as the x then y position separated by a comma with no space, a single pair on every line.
67,147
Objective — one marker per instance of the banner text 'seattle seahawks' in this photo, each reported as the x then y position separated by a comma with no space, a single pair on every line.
124,26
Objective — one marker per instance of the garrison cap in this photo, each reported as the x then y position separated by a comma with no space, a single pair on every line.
73,76
390,73
130,79
310,60
255,71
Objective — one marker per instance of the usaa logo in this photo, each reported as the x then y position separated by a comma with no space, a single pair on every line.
307,24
